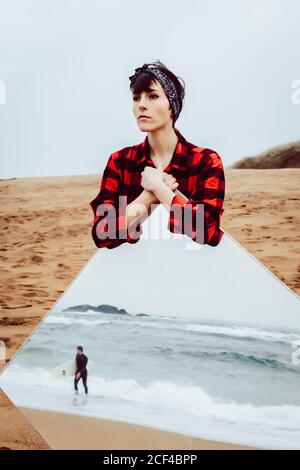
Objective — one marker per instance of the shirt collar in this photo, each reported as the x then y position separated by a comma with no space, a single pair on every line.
180,149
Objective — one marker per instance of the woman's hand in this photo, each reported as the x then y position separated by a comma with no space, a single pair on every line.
78,375
152,178
170,181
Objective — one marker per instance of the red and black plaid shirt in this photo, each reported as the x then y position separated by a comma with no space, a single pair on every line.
199,172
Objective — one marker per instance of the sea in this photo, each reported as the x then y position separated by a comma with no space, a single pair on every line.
209,379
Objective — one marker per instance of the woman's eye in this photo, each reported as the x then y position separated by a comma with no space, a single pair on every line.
135,98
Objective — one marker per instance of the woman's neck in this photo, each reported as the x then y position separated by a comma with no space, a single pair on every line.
162,143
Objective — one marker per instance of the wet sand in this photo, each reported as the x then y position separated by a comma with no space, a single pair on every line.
73,432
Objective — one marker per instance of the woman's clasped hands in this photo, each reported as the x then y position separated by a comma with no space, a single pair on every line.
154,178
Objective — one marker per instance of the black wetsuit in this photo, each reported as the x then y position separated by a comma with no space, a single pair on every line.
81,361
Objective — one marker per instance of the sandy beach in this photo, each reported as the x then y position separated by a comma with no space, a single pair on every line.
46,241
73,432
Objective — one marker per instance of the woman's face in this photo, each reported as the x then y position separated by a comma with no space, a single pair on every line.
153,104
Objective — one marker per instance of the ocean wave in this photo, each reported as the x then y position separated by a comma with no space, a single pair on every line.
237,357
244,332
38,349
167,395
239,332
77,313
53,319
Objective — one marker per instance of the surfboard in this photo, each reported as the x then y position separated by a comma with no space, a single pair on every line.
69,368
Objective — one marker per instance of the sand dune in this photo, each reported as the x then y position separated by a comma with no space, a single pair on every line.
281,156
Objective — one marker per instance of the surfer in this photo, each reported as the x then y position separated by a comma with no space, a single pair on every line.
81,370
165,168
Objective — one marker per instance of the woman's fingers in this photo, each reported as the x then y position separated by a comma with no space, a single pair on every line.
167,177
170,181
172,184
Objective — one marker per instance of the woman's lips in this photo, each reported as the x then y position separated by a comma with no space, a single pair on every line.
144,117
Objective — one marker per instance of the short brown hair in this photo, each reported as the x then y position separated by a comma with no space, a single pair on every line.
143,80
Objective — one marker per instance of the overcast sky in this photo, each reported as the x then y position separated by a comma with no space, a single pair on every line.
64,68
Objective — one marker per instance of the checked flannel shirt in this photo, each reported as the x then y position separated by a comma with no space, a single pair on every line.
199,172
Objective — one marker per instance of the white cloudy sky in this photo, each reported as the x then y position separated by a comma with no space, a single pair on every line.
65,65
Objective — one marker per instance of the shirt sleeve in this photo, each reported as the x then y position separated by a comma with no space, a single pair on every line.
113,210
209,191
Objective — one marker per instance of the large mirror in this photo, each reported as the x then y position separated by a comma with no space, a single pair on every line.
184,338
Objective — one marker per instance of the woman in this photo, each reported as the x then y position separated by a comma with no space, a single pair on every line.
164,168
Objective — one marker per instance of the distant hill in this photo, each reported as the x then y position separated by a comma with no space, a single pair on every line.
103,308
100,308
282,156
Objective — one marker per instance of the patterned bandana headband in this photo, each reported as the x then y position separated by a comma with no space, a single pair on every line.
166,83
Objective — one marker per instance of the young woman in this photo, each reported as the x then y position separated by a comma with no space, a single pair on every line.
165,168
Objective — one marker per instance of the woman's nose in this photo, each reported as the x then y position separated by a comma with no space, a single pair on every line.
142,103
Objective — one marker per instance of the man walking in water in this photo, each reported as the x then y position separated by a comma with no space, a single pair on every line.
81,370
